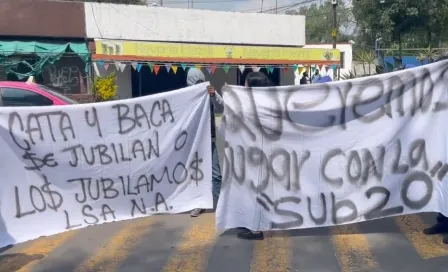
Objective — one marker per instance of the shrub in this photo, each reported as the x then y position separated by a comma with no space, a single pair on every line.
105,88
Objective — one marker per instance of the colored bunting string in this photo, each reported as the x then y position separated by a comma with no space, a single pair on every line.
156,69
255,68
211,68
174,68
168,67
100,63
139,67
151,66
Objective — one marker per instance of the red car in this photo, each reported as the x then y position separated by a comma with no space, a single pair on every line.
25,94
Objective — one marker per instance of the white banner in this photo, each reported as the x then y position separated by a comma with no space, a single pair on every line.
337,153
66,167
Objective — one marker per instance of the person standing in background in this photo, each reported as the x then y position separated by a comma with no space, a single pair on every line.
316,76
195,76
305,79
254,79
441,226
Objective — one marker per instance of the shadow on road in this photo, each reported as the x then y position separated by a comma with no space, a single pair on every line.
379,226
151,250
13,262
3,249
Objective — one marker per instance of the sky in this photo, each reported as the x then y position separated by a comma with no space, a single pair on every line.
236,5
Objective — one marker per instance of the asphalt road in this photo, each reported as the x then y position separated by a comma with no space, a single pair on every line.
178,243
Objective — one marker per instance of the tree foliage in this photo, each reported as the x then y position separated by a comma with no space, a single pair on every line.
319,22
402,20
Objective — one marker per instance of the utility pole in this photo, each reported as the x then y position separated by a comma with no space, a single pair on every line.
161,3
275,6
334,32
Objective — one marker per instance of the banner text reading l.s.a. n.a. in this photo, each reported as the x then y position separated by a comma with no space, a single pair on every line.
67,167
336,153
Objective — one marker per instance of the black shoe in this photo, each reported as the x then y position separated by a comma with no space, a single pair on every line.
243,229
436,229
249,235
445,240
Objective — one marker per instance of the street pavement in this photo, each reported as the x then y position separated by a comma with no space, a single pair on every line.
179,243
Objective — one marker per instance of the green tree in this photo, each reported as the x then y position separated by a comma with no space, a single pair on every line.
404,22
319,22
434,16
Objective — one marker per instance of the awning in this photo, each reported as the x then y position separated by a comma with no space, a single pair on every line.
8,48
48,52
115,50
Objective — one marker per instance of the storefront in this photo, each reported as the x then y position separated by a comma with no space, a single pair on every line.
144,68
61,65
47,40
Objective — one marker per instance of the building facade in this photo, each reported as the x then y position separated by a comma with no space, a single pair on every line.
345,58
65,45
46,40
150,52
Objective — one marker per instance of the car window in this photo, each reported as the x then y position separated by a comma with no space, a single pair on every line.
13,97
58,95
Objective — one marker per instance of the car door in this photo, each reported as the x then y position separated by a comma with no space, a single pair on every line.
16,97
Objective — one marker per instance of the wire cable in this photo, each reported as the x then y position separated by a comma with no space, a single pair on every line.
132,19
272,8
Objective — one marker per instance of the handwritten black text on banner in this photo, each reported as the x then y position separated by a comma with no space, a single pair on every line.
338,153
71,166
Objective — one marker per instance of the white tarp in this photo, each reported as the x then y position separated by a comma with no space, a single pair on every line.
67,167
336,153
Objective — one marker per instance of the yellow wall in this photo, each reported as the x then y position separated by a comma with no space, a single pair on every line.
178,50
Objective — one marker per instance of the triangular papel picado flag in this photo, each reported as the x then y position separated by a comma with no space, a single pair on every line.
139,67
156,69
168,67
151,66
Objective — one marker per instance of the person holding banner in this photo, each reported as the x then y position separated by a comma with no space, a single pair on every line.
442,221
195,76
254,79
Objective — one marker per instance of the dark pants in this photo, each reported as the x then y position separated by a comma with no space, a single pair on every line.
216,175
442,219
